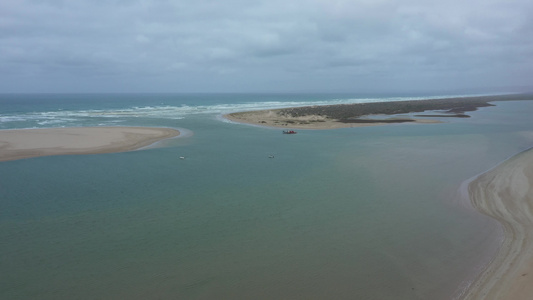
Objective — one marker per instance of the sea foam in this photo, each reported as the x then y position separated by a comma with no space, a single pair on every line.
81,117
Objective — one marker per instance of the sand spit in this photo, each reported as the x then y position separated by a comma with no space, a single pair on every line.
26,143
355,115
276,118
506,194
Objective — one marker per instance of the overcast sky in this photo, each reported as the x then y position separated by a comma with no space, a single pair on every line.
266,45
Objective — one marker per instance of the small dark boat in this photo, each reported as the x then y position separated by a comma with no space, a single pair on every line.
289,132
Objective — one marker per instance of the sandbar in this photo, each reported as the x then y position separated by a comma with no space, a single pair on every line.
26,143
358,114
506,194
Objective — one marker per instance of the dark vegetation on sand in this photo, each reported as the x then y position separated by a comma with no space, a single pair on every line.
450,107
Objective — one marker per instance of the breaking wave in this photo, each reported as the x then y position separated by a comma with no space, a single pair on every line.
62,118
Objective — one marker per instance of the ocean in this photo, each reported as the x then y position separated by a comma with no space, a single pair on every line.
354,213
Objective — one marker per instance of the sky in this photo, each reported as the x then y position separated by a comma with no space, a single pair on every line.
366,46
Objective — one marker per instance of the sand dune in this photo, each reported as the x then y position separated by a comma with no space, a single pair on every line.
26,143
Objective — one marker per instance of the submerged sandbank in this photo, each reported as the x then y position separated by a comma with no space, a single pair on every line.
355,115
26,143
506,194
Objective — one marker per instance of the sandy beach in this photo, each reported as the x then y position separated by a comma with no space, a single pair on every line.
506,194
369,114
276,118
26,143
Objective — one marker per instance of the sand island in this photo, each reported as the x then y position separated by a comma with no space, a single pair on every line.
358,114
26,143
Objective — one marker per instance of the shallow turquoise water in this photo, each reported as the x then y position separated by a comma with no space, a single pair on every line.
364,213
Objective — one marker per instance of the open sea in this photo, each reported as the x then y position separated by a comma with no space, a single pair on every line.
356,213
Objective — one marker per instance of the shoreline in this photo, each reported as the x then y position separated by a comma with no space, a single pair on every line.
27,143
264,118
505,193
356,115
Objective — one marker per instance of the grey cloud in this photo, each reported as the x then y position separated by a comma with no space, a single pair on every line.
264,45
